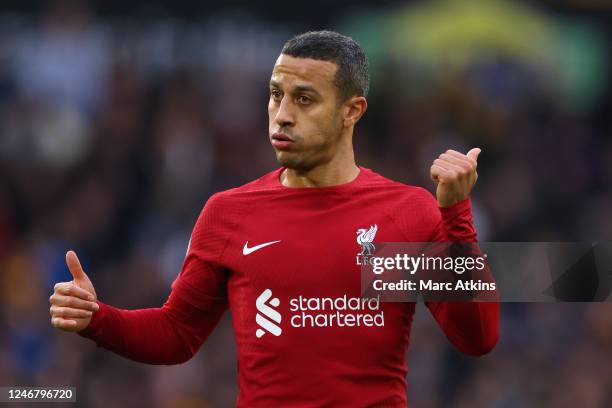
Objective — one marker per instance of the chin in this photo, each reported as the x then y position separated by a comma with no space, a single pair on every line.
291,161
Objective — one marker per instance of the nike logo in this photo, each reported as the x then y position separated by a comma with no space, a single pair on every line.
246,250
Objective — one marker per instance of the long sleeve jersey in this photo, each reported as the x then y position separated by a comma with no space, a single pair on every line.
285,262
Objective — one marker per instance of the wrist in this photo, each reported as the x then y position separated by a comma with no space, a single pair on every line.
95,321
458,223
458,207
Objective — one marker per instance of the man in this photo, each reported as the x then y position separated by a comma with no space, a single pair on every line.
281,253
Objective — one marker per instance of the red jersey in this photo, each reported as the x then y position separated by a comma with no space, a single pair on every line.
286,262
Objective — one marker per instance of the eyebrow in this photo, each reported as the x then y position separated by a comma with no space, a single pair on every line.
298,88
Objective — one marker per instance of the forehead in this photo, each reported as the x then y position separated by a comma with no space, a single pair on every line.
288,69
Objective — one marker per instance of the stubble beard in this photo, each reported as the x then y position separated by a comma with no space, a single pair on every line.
304,161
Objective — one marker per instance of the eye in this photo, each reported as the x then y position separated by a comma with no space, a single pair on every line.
275,94
304,100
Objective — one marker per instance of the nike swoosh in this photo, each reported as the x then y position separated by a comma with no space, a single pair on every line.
246,250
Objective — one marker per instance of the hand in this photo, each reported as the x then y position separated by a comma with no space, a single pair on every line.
455,174
73,303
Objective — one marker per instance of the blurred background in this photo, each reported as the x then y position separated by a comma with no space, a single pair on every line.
119,119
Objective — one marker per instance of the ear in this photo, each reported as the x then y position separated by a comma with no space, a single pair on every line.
354,108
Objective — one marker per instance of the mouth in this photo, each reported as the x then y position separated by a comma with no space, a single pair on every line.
282,141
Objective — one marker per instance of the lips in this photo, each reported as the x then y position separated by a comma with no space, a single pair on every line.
282,136
282,141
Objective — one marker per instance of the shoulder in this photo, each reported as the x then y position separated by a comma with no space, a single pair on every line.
404,193
267,182
412,208
238,199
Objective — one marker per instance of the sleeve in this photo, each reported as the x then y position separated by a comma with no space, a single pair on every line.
173,333
472,327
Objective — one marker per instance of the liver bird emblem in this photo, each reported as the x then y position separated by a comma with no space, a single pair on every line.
365,238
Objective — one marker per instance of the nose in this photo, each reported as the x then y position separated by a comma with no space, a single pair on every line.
285,116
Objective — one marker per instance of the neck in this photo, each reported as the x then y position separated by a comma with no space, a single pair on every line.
340,169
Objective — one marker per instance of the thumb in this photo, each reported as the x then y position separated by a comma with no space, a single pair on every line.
75,266
473,154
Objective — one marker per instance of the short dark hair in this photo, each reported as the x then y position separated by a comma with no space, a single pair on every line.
352,77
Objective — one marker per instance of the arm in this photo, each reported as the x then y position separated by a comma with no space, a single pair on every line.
170,334
472,327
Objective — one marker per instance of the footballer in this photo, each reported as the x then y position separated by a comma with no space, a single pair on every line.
282,254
